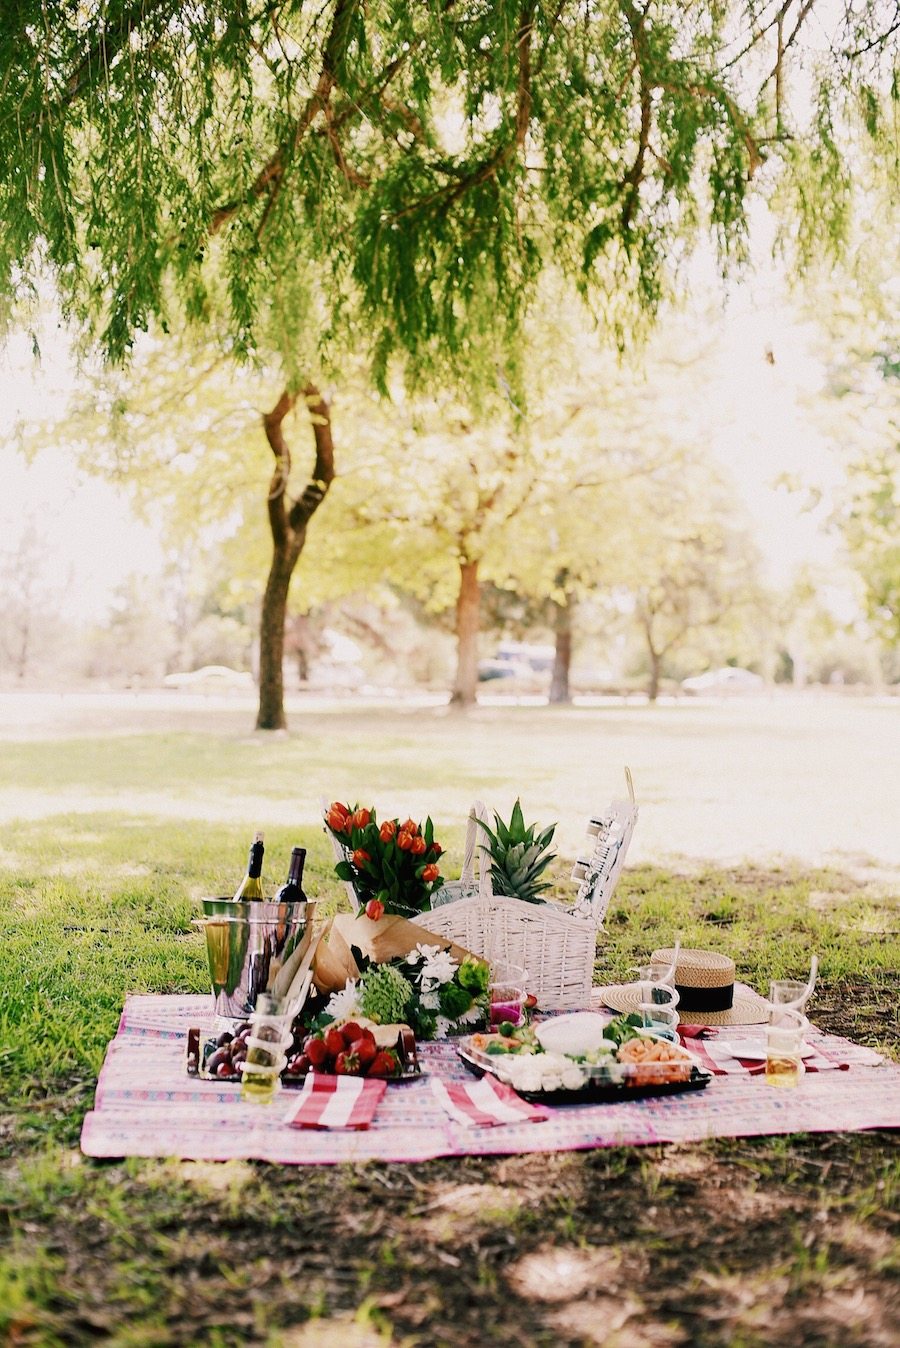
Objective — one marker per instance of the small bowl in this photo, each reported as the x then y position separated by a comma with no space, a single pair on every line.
575,1034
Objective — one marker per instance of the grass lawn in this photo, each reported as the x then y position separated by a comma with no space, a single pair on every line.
749,1242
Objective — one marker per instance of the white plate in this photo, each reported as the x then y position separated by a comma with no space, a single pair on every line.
752,1050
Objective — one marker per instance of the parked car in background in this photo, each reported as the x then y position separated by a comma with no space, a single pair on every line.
517,660
211,679
729,679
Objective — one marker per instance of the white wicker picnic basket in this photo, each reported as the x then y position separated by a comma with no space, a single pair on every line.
555,944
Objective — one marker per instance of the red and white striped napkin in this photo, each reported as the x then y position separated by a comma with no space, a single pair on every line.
485,1103
336,1102
719,1051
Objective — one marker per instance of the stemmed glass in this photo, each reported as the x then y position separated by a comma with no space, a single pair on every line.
793,992
658,998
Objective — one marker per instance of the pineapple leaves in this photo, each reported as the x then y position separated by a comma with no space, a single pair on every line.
519,855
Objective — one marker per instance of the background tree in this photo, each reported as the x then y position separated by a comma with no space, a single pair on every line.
693,566
336,175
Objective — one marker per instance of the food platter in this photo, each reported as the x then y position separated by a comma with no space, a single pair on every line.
221,1057
576,1081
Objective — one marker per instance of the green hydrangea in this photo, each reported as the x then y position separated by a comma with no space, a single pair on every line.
385,995
455,1000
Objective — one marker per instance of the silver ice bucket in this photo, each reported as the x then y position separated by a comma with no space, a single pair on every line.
247,944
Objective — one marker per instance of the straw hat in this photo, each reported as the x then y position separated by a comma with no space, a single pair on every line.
706,988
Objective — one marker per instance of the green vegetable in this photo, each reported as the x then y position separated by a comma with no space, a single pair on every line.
474,974
506,1028
622,1028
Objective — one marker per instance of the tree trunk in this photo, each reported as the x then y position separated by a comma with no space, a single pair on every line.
655,670
271,639
288,528
468,614
562,656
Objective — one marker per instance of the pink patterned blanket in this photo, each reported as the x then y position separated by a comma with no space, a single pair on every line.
146,1105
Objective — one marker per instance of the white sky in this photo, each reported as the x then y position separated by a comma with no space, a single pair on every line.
754,419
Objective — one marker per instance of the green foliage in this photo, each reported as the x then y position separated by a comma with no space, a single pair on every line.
519,856
396,177
385,995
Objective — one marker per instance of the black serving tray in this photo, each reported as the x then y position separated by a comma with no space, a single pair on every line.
598,1093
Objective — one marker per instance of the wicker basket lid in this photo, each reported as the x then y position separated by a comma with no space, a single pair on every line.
698,968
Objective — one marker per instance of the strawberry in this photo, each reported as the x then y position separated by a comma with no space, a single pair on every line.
335,1042
351,1031
366,1050
346,1064
384,1064
316,1051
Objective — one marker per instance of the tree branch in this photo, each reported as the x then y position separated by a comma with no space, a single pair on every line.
110,42
271,176
316,489
273,425
523,91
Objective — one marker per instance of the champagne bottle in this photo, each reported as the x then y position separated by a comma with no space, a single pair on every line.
251,886
292,889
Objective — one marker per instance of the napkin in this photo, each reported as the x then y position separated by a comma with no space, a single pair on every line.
336,1102
723,1056
485,1103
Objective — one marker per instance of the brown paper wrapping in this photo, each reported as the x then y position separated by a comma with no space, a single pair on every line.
389,938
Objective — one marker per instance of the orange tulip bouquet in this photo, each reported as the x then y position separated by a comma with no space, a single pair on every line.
393,866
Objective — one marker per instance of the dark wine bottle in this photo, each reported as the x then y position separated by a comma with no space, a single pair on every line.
292,889
250,887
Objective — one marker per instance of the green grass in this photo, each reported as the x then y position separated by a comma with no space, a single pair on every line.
756,1242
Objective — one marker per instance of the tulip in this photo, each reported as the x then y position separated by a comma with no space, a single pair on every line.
430,873
404,840
337,822
387,830
361,818
337,808
418,845
436,850
375,909
410,827
360,857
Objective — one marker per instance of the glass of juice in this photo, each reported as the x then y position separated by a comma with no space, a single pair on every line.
269,1036
507,993
784,1046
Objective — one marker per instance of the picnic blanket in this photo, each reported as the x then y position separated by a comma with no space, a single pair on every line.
146,1105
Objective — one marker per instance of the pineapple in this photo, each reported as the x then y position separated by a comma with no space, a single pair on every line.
519,856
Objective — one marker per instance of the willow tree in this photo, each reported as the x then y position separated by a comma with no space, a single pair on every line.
395,177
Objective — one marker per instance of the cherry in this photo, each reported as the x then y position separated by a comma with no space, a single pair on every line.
225,1069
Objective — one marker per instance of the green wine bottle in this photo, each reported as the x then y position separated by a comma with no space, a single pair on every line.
250,887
